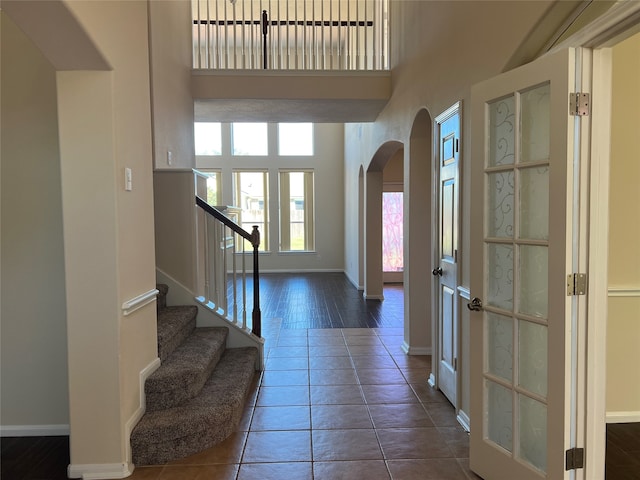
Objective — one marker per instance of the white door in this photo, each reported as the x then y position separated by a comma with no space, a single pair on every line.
523,344
445,271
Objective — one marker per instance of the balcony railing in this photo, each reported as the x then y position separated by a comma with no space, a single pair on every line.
291,34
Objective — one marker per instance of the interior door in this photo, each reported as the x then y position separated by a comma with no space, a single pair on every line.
522,246
445,271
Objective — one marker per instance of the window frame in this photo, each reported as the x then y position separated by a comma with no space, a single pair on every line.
285,220
237,196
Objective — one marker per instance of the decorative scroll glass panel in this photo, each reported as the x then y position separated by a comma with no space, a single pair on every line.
502,132
501,188
499,416
500,346
535,124
532,368
500,276
533,274
534,203
532,427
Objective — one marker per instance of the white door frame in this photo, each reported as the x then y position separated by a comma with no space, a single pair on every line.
619,22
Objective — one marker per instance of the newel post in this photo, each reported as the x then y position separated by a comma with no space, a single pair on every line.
256,314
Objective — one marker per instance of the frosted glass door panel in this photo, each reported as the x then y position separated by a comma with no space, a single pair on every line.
534,124
532,423
500,346
501,209
533,274
500,276
502,132
532,369
498,418
534,203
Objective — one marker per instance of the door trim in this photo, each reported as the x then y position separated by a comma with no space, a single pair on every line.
433,380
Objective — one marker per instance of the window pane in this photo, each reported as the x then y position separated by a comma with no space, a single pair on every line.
251,197
295,139
296,211
214,195
392,253
208,140
249,139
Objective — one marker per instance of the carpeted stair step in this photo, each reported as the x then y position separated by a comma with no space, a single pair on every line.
175,324
202,421
183,374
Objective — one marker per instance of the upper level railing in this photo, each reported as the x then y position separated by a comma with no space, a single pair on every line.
291,34
226,288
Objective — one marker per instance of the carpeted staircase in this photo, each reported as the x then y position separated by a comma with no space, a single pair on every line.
196,397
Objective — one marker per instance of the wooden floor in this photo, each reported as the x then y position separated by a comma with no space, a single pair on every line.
294,302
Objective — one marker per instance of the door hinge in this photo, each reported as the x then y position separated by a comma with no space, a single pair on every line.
455,364
575,458
576,284
579,104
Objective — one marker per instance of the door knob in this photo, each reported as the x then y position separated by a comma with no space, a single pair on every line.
437,271
475,305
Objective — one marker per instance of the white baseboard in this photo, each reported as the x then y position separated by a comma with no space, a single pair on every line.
100,471
463,419
33,430
373,297
415,350
142,407
623,417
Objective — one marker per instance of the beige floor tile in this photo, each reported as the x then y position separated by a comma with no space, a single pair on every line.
400,416
427,394
464,464
373,361
419,376
376,350
283,378
336,395
457,439
329,351
292,341
199,472
325,363
287,363
442,414
281,418
276,471
227,452
278,447
351,470
281,396
358,331
333,417
278,352
363,340
326,340
427,469
390,394
345,445
418,443
381,376
342,376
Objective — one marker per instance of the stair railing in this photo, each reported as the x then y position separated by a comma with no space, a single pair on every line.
225,282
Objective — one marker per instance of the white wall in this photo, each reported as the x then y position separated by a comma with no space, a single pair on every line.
34,332
327,164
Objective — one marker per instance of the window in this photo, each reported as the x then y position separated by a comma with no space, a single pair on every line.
296,211
392,248
207,137
214,187
295,139
251,196
249,139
